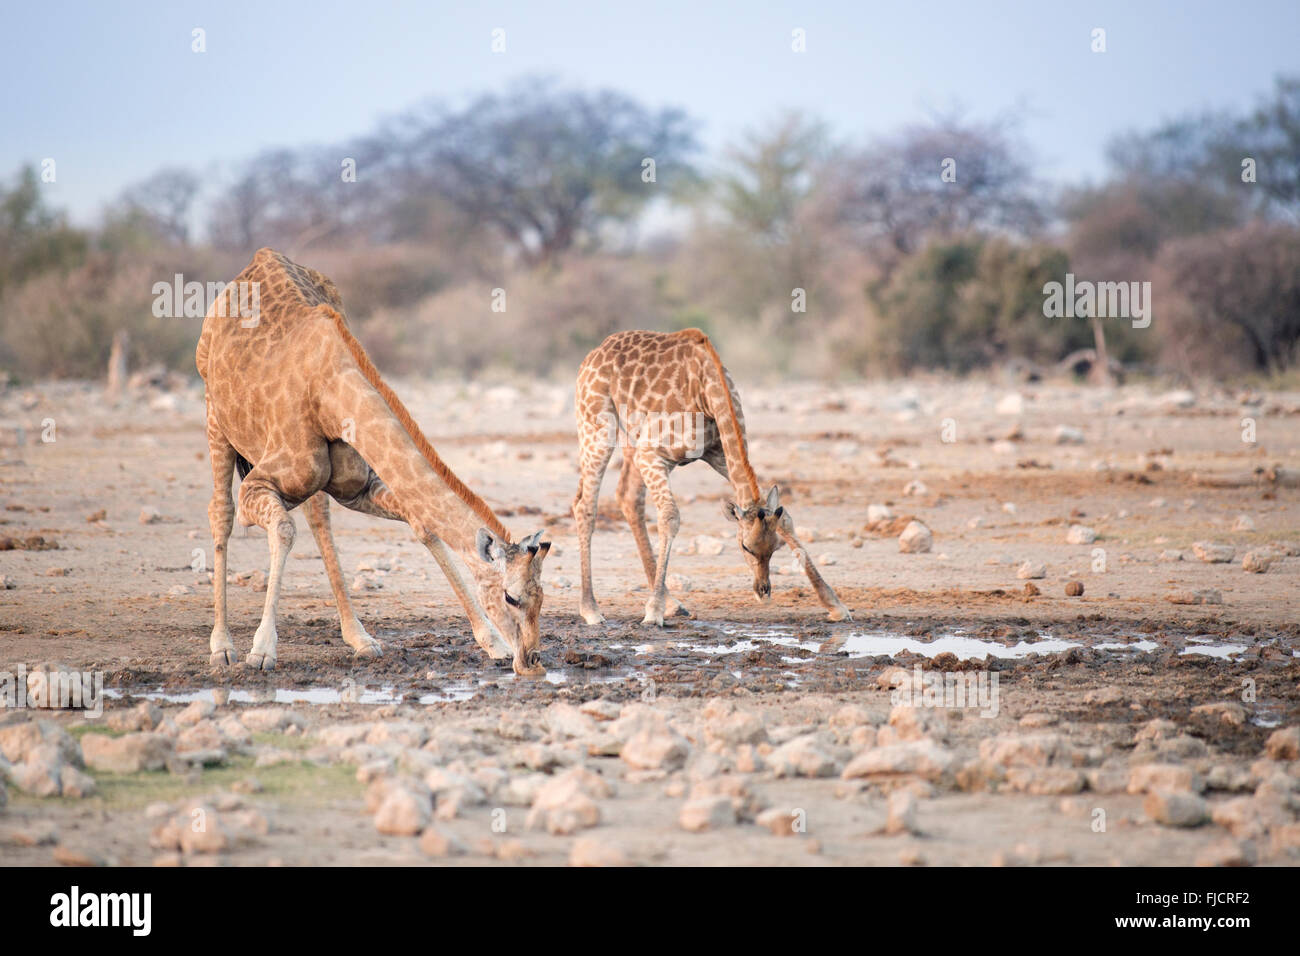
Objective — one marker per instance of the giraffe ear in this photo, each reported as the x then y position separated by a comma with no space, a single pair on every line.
773,498
487,546
730,511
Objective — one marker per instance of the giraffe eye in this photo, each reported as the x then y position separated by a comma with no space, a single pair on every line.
513,602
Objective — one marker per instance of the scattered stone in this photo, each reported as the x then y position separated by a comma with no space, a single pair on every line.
1212,553
1169,778
198,710
601,710
1284,744
803,756
403,812
1045,781
1031,589
1065,435
1200,596
1074,589
1013,403
73,856
1227,712
922,758
437,843
915,539
1080,534
1021,750
565,804
1038,719
726,724
655,750
1244,523
149,515
1031,570
902,813
127,754
780,822
1178,809
1227,852
564,720
271,719
879,513
707,813
587,851
1257,562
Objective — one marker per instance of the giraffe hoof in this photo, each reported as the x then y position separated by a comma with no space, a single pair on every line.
222,658
373,649
656,620
261,662
680,611
839,614
593,618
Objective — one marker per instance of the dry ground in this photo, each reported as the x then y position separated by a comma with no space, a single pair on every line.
120,594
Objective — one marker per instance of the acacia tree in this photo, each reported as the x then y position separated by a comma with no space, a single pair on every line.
547,168
165,201
1238,296
939,180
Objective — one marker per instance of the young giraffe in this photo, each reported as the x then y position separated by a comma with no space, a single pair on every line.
675,403
295,403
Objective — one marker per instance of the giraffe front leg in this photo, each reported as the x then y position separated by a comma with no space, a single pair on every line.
835,609
486,634
654,471
354,634
261,504
221,513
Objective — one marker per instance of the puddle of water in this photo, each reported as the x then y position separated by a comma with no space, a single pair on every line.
862,644
1221,651
964,648
1143,646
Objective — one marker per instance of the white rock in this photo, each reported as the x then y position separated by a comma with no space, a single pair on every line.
1013,403
915,539
707,813
1031,571
879,513
1080,534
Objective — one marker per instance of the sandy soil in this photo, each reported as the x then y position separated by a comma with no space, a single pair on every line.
122,492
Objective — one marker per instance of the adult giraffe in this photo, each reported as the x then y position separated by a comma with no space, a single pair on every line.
295,403
670,398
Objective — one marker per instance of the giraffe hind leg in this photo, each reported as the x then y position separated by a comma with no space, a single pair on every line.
354,634
631,498
221,514
260,503
597,447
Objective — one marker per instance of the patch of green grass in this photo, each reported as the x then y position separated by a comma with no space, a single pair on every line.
302,784
79,730
282,741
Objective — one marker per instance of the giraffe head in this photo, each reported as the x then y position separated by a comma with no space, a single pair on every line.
511,594
756,530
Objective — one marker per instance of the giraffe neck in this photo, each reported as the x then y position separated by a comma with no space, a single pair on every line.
440,500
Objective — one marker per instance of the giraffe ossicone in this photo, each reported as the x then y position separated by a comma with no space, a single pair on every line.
297,406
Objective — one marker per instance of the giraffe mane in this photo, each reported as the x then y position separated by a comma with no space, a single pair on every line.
458,487
733,422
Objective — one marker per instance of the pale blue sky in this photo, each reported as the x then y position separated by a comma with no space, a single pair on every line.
112,91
